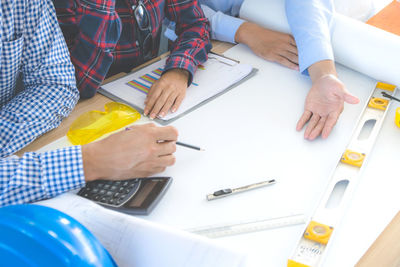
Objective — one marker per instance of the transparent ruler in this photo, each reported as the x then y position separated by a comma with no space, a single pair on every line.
318,234
222,230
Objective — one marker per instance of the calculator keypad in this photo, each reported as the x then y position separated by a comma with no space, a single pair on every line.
110,193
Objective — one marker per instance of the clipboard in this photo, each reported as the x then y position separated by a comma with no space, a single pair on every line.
215,77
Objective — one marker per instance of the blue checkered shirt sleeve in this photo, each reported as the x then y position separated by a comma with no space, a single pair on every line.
38,176
33,48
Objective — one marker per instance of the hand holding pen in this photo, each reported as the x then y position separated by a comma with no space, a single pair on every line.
177,143
130,154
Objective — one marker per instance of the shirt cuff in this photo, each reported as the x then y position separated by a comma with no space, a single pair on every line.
224,27
181,62
62,170
312,51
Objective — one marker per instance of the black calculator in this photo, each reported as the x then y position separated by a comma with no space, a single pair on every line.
134,196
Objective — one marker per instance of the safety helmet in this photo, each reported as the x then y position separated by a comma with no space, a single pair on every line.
33,235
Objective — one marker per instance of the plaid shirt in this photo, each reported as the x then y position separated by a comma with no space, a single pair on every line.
102,37
32,46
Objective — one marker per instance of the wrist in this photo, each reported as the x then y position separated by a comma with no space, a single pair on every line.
180,74
242,35
90,167
322,68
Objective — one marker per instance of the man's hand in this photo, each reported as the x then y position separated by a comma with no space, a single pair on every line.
166,93
270,45
142,151
324,102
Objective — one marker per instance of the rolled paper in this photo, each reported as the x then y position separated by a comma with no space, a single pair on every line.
356,45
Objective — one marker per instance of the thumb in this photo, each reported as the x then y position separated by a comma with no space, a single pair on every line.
349,98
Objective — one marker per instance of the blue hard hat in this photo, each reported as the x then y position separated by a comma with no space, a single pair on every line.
33,235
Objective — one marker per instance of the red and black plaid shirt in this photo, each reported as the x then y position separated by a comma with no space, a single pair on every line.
102,38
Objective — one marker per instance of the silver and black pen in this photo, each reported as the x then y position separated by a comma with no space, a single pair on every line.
229,191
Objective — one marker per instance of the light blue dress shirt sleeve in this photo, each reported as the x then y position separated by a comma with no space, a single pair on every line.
311,22
223,27
222,16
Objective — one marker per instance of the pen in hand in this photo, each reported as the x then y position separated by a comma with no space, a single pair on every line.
189,146
178,143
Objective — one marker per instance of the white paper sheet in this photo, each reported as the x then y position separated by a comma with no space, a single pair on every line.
356,45
136,242
212,78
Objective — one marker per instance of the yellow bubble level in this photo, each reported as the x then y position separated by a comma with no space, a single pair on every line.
353,158
378,103
318,232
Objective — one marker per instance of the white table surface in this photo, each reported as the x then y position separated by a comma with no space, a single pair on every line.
249,135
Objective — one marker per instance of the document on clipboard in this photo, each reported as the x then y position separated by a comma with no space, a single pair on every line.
213,78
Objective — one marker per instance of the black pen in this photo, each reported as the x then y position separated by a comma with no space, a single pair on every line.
389,96
189,146
177,142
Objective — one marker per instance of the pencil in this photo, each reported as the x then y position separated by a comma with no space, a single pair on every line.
189,146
